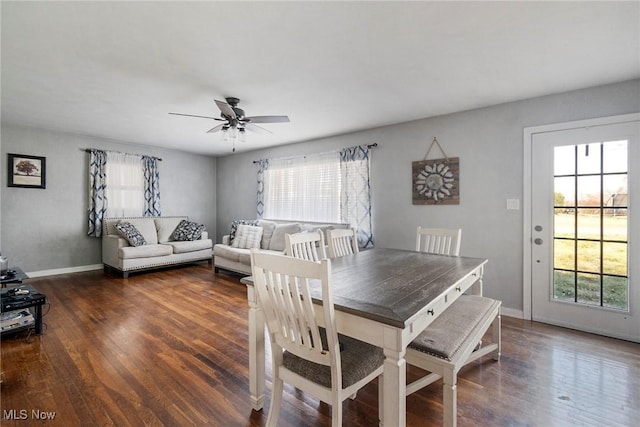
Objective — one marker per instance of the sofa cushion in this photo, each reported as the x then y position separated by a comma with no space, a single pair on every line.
277,240
166,226
190,246
188,231
147,228
236,223
130,233
267,232
146,251
247,237
227,252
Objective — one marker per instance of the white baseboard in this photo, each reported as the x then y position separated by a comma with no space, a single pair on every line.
511,312
67,270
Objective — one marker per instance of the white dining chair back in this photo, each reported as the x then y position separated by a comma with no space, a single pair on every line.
439,241
304,355
309,246
342,241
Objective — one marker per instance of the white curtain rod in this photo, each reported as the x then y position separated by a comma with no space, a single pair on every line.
88,150
375,144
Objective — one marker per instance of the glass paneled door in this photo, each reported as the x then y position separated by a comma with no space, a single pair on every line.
583,273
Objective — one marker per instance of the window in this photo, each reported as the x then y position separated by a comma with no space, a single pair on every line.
125,185
327,187
121,185
306,188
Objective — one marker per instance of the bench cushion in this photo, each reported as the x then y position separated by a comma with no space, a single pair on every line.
444,337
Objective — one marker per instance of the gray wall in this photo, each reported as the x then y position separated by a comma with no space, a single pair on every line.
47,229
489,143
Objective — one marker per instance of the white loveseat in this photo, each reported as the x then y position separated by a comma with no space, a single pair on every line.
238,260
160,250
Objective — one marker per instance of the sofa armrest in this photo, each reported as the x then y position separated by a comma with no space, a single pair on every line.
111,245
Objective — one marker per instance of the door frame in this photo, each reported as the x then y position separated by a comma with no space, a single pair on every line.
529,132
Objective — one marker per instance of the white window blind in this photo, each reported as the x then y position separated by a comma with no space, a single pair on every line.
124,185
304,188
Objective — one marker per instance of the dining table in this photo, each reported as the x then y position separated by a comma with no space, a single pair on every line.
385,297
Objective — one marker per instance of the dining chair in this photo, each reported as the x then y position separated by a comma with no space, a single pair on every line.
439,241
342,241
309,246
318,361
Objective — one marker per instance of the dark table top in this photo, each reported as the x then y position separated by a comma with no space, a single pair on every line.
34,297
18,277
392,285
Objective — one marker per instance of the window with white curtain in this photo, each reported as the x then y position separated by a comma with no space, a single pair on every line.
124,185
304,188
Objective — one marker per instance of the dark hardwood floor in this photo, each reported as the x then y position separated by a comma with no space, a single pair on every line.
169,348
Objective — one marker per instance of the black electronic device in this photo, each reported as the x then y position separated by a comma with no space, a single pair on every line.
18,301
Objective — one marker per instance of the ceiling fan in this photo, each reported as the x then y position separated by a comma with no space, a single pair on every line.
235,122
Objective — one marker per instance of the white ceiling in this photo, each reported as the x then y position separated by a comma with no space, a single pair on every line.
116,69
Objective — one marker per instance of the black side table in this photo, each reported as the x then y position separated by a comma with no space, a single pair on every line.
33,299
16,278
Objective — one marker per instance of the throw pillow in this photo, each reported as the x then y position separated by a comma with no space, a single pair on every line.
268,228
130,233
188,231
277,240
165,227
236,223
247,237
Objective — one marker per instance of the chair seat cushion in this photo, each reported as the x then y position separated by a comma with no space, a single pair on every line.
358,360
444,337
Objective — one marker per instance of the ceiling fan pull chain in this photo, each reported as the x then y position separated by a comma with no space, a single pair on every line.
435,141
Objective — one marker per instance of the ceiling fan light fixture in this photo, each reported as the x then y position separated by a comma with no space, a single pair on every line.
235,122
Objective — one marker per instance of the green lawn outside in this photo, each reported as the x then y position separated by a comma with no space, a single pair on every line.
614,260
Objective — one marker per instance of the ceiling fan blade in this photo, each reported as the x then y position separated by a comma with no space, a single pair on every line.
257,129
267,119
193,115
226,109
216,128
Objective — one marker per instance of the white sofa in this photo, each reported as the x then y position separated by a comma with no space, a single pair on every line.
160,249
238,259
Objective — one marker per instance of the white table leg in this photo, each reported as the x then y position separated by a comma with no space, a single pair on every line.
395,388
256,351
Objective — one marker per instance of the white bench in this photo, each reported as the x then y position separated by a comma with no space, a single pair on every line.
452,341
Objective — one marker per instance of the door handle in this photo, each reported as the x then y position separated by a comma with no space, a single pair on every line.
538,241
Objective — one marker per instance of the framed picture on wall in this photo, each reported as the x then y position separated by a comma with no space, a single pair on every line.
26,171
436,182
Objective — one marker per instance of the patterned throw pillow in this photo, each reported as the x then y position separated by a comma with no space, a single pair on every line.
130,233
247,237
236,223
188,231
